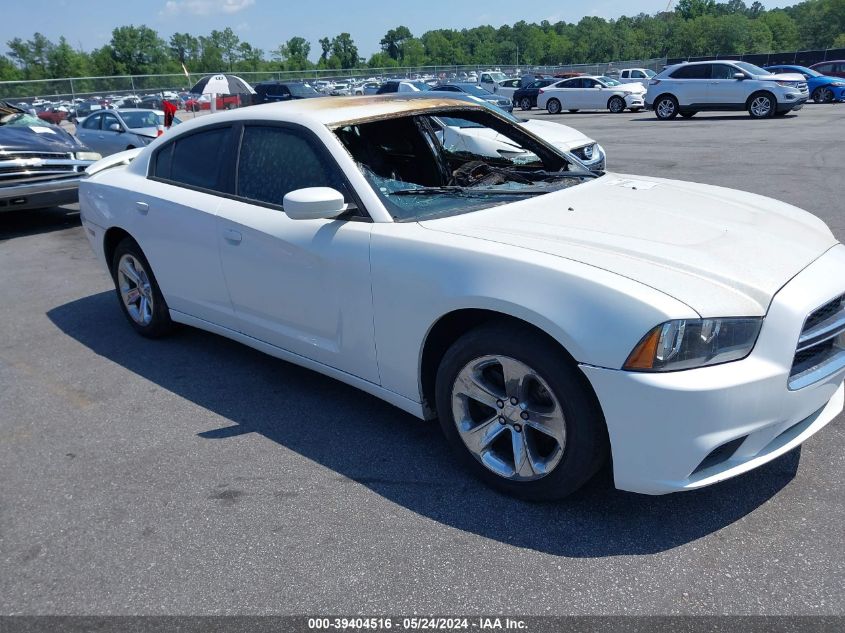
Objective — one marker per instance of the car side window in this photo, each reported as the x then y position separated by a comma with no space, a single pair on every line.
194,160
824,68
637,74
274,161
108,121
722,71
693,71
92,122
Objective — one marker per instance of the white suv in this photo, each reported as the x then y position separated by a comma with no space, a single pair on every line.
691,87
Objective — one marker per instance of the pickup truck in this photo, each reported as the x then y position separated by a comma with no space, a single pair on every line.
636,76
203,102
41,163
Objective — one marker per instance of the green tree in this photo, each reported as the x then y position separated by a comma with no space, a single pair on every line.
138,50
394,40
344,51
783,28
184,48
294,53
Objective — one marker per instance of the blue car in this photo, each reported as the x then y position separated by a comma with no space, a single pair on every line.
823,89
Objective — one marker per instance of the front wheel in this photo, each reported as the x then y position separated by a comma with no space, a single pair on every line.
666,107
553,106
138,292
762,106
518,412
525,103
823,94
616,105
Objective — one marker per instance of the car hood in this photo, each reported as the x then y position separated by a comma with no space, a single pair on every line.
783,77
151,132
720,251
557,134
38,138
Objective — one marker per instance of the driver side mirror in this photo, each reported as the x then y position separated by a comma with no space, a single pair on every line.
313,203
115,127
739,76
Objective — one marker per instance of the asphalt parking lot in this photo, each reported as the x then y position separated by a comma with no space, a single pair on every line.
192,475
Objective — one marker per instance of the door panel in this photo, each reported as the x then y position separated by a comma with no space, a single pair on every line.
302,285
178,233
723,89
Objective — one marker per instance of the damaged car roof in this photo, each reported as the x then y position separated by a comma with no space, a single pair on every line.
339,110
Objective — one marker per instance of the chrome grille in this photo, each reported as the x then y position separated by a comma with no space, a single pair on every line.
23,167
821,346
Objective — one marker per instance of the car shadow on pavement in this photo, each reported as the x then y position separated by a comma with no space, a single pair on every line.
35,221
403,459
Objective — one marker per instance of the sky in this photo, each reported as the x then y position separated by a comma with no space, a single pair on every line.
267,23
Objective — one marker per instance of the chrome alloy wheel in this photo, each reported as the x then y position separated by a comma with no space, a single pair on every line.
761,106
508,418
135,289
666,108
823,95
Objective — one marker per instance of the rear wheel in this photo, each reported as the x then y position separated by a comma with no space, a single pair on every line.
823,94
616,105
762,106
519,413
138,292
666,107
525,103
553,106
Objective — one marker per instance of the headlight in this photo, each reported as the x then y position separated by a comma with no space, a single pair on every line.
689,343
88,156
146,140
787,84
837,84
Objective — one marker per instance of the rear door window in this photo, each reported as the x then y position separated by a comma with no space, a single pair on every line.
696,71
196,160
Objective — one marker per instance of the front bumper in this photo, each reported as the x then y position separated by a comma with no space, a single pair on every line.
635,101
39,195
688,429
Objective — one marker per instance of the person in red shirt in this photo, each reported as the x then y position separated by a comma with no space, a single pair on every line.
169,113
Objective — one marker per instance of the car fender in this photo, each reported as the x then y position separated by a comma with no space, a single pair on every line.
421,275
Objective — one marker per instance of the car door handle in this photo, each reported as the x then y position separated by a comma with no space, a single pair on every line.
232,236
143,207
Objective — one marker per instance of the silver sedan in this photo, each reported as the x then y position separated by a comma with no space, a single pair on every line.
111,131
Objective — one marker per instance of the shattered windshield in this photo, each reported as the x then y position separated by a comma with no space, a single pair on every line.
436,165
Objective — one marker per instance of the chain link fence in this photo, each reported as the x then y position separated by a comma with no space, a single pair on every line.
86,87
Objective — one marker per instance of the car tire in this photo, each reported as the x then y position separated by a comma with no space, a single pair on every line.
525,103
762,105
553,106
616,105
689,114
822,94
666,107
138,292
556,461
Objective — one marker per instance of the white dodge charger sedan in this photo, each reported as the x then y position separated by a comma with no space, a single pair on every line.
550,317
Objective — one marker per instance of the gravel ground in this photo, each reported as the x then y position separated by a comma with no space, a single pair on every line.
195,476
